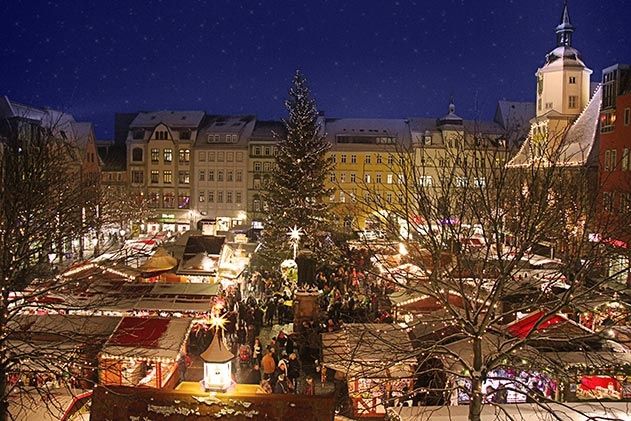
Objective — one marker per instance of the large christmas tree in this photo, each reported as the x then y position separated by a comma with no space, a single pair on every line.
297,195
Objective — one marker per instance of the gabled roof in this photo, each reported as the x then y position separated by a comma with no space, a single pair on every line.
576,148
190,119
367,127
264,130
82,132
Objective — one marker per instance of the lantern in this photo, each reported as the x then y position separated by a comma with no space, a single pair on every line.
217,364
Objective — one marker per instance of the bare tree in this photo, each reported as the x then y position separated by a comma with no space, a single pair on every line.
43,209
468,226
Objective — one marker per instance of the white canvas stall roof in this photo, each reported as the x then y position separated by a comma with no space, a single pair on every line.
129,340
369,350
569,411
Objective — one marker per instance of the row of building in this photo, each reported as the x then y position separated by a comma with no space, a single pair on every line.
196,168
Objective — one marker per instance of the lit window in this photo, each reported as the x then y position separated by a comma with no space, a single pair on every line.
155,176
155,155
426,181
343,178
168,155
367,178
572,101
185,156
342,197
202,197
184,177
167,176
389,179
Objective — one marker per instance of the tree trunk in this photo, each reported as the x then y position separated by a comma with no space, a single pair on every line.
477,380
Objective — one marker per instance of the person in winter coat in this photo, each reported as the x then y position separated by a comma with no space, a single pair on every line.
281,386
269,365
293,370
257,351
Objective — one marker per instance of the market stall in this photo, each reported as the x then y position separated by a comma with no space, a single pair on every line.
144,352
378,362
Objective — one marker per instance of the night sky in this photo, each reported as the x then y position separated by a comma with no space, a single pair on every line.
363,58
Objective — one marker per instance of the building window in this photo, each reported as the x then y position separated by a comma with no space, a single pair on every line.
167,176
461,182
267,166
572,80
607,121
155,176
573,101
155,155
378,178
168,155
239,176
229,197
625,159
137,177
267,151
229,176
607,158
219,197
608,201
211,175
389,197
342,197
229,156
183,201
237,197
220,156
614,160
343,177
257,150
169,200
480,182
139,134
185,134
332,177
367,178
184,177
185,156
426,181
390,159
367,159
211,157
202,197
257,205
239,156
202,175
202,156
257,182
333,158
257,166
549,105
389,179
353,159
220,175
136,154
353,177
211,196
627,116
378,158
154,200
343,159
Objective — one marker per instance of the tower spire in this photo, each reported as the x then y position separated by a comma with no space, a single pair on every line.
565,29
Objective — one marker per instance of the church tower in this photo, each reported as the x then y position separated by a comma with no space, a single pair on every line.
563,82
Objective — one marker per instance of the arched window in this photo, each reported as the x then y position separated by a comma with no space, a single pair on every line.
136,154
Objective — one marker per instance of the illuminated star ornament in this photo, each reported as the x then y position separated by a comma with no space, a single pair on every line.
294,236
218,322
295,233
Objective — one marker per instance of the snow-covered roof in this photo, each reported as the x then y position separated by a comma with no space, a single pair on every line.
147,338
367,127
219,126
189,119
576,148
512,114
264,130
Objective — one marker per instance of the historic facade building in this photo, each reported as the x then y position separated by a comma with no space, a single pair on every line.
159,161
221,168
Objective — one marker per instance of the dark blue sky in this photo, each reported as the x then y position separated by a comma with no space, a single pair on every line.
363,58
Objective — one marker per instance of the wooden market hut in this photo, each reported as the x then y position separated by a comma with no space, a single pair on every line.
144,352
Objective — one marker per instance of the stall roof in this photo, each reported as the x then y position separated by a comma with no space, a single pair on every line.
369,350
160,261
147,338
